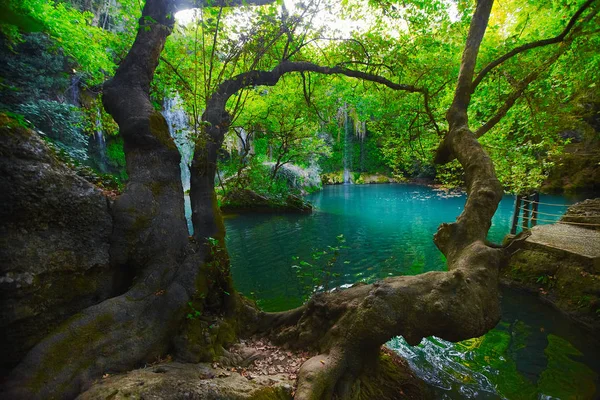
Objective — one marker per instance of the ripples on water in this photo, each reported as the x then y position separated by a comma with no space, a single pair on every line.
388,231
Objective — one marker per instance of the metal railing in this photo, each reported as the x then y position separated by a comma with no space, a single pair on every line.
527,208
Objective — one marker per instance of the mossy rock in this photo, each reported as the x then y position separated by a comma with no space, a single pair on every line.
561,280
333,178
55,241
246,200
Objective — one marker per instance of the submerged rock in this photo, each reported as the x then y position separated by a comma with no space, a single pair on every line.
54,242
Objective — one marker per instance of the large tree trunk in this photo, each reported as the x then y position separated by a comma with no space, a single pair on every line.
150,240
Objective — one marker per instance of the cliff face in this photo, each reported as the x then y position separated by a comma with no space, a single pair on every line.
54,242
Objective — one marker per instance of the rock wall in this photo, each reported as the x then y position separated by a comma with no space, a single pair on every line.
54,242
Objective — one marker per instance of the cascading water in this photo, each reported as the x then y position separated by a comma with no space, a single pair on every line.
179,129
100,144
360,127
245,146
74,90
347,147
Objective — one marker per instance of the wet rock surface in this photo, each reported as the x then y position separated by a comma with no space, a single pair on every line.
54,242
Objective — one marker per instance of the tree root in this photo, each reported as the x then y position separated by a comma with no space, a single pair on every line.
348,327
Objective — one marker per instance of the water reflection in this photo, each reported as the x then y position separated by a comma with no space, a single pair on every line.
534,352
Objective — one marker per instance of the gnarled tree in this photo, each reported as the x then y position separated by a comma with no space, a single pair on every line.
169,270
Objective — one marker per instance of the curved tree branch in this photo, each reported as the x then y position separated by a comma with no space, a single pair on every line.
524,83
538,43
207,222
348,327
520,88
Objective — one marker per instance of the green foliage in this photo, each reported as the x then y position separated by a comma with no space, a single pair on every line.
70,28
450,175
115,152
309,118
61,123
47,66
31,71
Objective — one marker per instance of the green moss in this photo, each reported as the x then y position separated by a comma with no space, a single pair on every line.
70,349
156,188
528,265
333,178
564,377
160,130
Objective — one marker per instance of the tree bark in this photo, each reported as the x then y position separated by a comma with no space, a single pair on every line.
149,241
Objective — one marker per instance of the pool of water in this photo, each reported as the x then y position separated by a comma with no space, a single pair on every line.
365,233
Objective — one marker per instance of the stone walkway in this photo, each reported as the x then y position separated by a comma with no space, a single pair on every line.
575,240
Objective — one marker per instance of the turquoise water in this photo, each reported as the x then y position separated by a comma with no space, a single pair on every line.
386,230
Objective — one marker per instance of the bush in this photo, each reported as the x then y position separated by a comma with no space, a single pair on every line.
59,122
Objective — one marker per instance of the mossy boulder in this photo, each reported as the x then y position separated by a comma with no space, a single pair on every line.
560,279
358,178
246,200
366,179
54,242
333,178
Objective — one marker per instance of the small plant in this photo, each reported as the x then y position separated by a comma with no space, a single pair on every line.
317,275
584,301
546,280
194,313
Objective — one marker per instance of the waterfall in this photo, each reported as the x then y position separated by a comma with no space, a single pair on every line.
347,147
100,144
179,129
244,144
74,91
361,132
